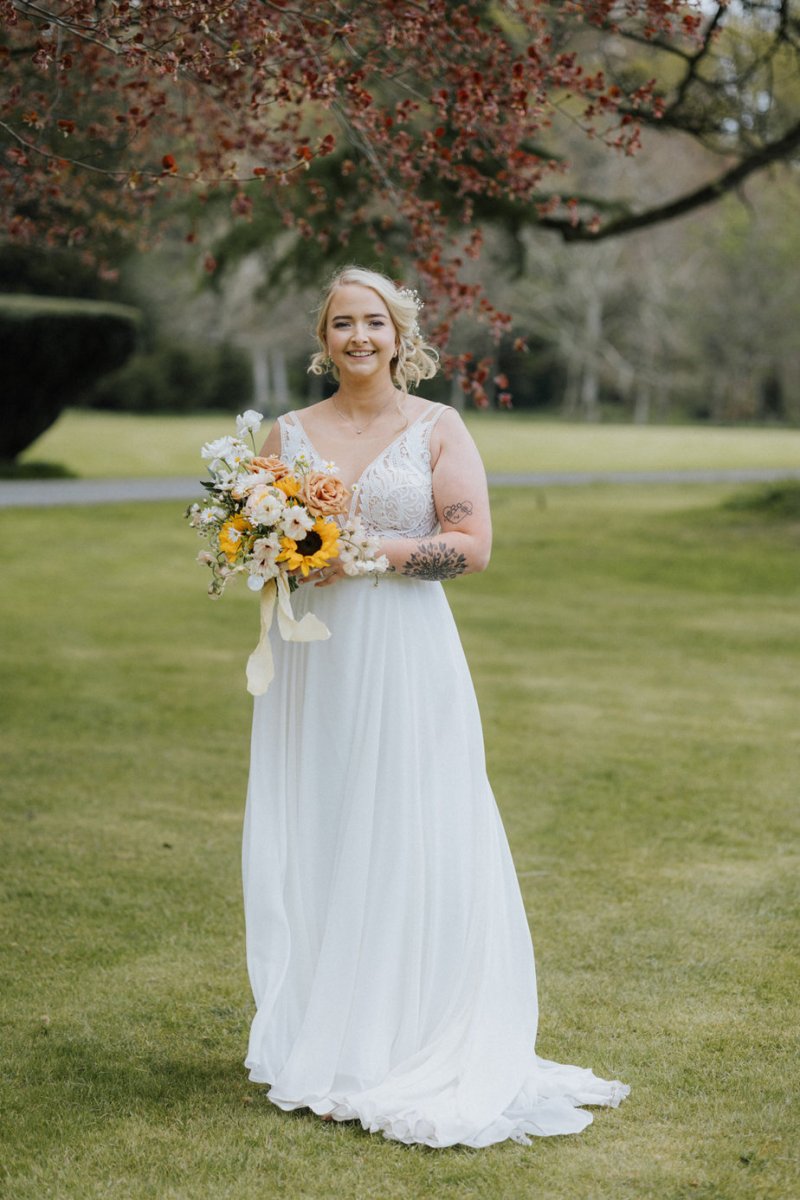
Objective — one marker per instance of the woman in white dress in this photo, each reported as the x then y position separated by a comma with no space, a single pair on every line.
387,943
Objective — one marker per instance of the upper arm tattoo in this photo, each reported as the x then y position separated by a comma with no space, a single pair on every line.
456,512
435,561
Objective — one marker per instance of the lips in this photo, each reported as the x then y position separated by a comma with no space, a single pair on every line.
360,353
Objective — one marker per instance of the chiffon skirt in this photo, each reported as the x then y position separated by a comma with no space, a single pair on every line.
387,943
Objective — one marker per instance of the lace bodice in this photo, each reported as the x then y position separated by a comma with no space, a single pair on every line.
394,493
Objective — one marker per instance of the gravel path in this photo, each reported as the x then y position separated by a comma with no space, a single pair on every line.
56,493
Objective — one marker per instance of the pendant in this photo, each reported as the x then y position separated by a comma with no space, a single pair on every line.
359,432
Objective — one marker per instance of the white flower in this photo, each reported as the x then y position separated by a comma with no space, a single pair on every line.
248,422
205,558
296,522
210,515
330,467
224,481
359,554
246,483
220,449
264,505
301,464
240,454
255,582
262,564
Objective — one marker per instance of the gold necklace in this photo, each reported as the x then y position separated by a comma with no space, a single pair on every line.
345,417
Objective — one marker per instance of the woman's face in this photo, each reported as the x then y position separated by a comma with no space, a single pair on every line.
359,333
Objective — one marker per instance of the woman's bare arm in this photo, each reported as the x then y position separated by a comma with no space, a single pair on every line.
462,505
273,443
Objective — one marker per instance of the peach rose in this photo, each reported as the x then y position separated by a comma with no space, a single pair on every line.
276,466
323,495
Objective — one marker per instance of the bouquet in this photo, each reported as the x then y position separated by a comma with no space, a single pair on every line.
273,522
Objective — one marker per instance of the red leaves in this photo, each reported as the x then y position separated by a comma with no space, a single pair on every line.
434,100
242,206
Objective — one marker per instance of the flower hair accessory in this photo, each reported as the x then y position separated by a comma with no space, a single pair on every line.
413,295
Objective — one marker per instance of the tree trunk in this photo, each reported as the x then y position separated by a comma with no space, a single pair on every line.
642,403
261,379
280,381
457,396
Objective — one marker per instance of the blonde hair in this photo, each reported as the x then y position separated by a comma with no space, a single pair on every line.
415,359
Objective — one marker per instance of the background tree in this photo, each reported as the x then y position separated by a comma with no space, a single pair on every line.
435,118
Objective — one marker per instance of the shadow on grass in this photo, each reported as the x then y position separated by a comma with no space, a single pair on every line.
780,501
35,470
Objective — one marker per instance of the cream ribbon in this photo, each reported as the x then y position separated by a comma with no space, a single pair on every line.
260,664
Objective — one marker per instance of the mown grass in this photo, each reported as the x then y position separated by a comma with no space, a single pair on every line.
636,658
108,444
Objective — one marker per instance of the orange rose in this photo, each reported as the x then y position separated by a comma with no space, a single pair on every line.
323,495
276,466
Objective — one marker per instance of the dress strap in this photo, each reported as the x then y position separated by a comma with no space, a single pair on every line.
429,420
292,436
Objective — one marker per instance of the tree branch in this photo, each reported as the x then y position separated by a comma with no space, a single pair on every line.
582,231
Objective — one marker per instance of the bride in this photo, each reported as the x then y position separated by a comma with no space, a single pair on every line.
387,944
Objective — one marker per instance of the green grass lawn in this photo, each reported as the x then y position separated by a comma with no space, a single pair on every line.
107,444
636,657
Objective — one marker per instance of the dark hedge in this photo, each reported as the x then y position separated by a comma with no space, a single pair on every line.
52,349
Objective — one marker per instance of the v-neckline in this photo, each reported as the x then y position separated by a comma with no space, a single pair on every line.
353,487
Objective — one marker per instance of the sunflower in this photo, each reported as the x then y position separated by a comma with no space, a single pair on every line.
316,549
231,535
289,485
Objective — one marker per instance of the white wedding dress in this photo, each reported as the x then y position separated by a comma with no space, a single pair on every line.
387,943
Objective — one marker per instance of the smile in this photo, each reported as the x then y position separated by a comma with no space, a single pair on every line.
360,353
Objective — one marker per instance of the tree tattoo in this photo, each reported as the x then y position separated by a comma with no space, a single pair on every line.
430,561
456,512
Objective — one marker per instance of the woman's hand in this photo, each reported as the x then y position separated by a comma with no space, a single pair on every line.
325,576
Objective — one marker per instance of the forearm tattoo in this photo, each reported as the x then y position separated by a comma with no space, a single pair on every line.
456,512
435,561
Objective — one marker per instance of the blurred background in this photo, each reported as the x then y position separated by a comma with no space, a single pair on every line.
599,202
646,278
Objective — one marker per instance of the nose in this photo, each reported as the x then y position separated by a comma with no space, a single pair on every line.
359,334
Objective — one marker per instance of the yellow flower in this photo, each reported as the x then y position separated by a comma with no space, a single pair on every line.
231,534
316,549
289,485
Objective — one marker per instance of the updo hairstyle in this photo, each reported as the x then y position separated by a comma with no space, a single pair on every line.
415,358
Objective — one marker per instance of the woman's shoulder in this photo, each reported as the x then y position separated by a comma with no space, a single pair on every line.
433,411
447,430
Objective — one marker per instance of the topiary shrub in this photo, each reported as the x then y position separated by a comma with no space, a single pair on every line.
52,349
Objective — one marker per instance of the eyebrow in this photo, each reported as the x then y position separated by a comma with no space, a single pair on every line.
369,316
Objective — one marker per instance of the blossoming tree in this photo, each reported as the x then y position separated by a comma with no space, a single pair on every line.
425,118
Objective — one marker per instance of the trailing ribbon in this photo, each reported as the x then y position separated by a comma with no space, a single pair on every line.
260,664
